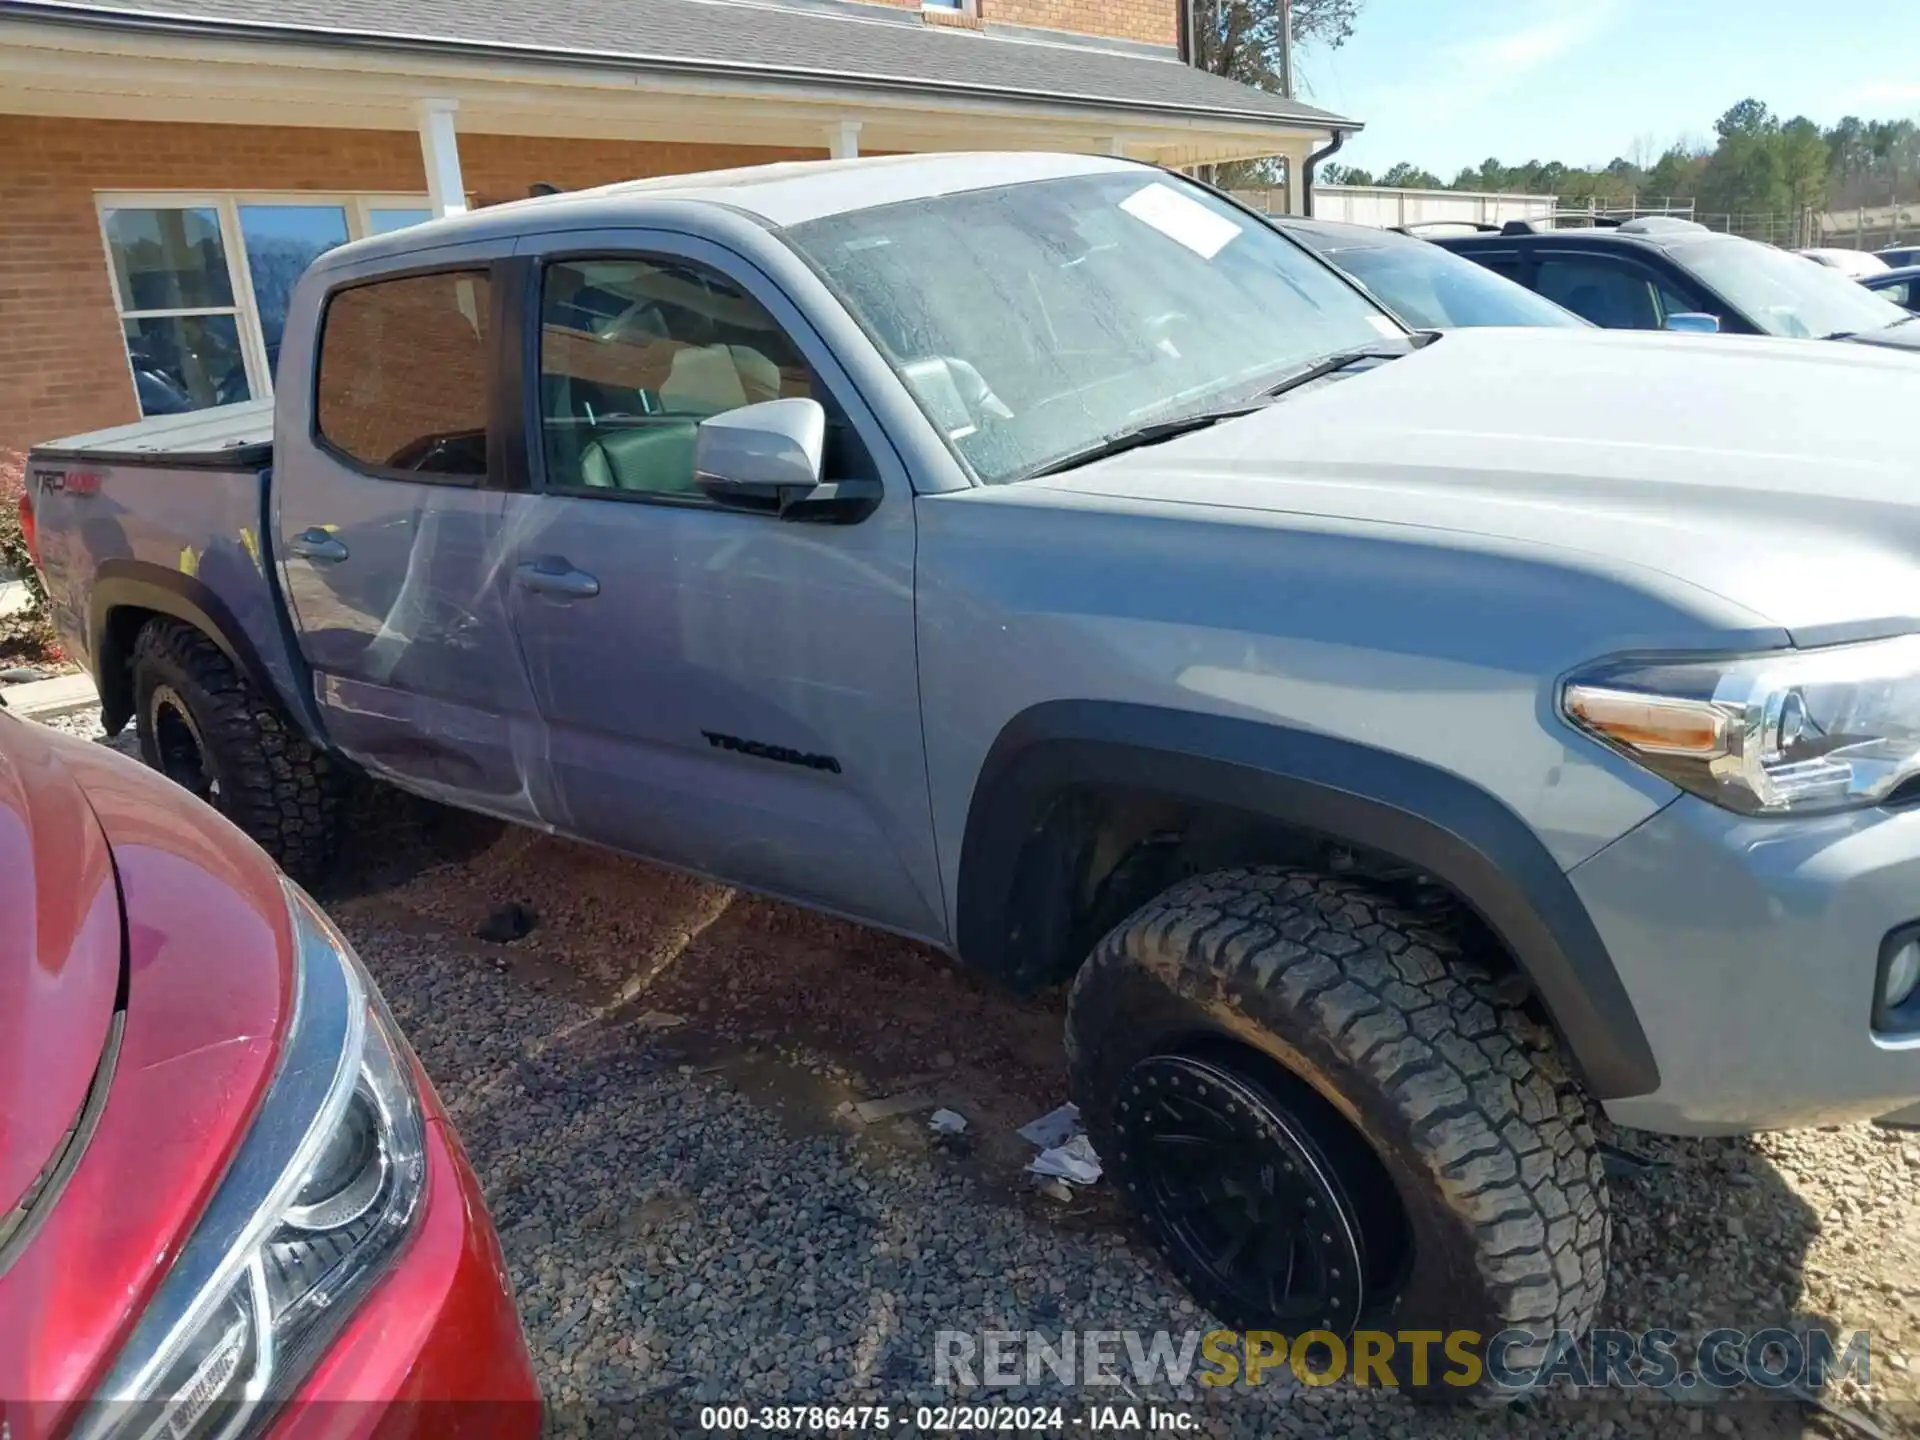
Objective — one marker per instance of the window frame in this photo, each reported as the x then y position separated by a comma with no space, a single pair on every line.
530,444
357,205
502,293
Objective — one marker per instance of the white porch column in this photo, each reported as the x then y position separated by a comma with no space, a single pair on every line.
843,140
1117,146
440,150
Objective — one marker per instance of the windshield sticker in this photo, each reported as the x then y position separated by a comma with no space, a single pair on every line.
1180,219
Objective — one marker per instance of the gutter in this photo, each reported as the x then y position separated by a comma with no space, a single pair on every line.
207,28
1331,149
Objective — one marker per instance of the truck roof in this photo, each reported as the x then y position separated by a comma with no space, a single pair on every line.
788,193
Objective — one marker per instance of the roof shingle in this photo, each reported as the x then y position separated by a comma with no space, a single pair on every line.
852,44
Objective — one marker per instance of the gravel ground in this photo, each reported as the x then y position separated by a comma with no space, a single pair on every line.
653,1086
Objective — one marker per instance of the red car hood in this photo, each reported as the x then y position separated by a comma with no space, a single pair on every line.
207,986
59,958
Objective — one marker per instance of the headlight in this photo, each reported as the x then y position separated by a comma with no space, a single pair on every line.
1792,732
318,1199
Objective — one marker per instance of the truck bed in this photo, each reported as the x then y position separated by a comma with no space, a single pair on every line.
227,437
167,516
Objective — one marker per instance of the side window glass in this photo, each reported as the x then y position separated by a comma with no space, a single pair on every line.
1505,266
1607,294
1674,301
403,374
634,354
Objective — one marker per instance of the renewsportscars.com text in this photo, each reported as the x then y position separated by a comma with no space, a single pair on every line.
1511,1359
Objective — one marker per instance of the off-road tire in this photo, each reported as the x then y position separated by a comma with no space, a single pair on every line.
274,783
1463,1097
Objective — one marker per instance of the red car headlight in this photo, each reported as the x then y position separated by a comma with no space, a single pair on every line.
321,1195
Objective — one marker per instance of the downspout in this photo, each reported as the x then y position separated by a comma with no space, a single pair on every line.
1186,33
1306,171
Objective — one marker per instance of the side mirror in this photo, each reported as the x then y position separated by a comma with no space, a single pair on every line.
1693,322
767,458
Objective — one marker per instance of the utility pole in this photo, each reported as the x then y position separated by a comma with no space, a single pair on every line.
1286,48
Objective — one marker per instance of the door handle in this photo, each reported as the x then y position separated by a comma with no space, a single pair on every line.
551,575
314,543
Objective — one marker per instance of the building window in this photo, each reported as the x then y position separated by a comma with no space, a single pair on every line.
201,283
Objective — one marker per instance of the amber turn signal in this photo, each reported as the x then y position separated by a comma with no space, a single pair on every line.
1648,723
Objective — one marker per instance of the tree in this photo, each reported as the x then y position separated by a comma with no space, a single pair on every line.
1756,164
1675,175
1746,172
1408,177
1805,159
1750,118
1331,174
1243,40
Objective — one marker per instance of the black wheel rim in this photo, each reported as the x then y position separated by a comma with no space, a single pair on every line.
1242,1201
178,747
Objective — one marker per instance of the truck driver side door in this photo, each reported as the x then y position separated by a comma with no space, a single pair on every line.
729,692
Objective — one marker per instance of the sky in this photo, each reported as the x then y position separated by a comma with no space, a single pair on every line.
1448,83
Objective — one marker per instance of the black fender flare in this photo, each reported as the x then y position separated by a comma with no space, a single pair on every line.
1429,818
124,584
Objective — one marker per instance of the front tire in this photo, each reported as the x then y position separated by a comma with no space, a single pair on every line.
1350,1067
206,727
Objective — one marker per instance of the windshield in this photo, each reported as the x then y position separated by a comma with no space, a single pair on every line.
1033,321
1786,295
1434,289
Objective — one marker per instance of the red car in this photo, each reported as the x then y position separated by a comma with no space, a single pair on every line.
228,1194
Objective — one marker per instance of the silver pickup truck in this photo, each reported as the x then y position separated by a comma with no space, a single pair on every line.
1402,744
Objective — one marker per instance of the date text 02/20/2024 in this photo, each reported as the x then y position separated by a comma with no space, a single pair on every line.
939,1419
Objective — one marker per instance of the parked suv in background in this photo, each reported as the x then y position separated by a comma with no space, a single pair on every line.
1901,286
1428,288
1644,273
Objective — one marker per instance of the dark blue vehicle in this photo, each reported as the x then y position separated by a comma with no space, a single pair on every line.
1426,287
1660,273
1901,286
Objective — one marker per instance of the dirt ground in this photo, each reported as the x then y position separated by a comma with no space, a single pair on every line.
797,1017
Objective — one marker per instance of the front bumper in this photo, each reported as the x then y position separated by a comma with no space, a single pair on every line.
436,1348
1750,951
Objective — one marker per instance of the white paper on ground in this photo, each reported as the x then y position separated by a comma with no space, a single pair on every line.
1181,219
1056,1127
1074,1161
947,1122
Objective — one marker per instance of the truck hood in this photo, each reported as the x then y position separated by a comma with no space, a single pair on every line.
1901,335
1780,476
60,958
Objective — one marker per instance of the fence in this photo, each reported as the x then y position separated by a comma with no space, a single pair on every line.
1870,227
1385,206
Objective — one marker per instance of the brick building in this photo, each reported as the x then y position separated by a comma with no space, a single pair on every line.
167,167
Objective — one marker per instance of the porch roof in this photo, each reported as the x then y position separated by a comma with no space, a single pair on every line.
847,47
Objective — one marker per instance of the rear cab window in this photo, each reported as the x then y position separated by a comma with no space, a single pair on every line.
403,375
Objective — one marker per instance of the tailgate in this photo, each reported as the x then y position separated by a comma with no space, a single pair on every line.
161,516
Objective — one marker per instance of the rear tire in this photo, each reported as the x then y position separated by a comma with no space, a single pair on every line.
1317,1031
205,726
